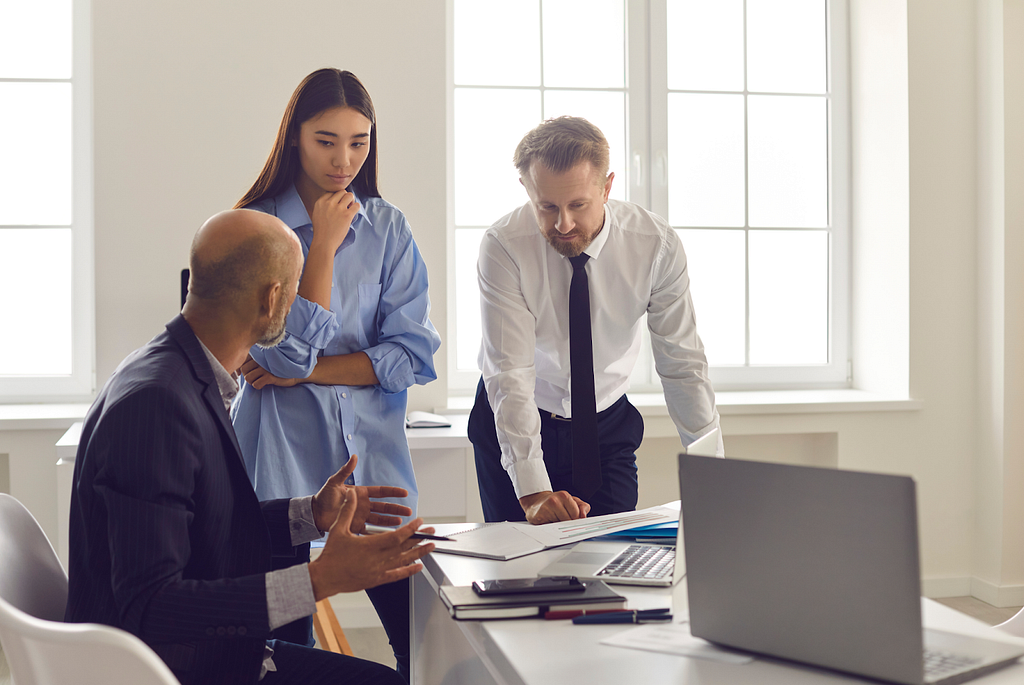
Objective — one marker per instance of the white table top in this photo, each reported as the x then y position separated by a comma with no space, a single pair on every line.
534,651
453,437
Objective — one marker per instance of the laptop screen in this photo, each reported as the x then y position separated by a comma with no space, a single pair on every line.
809,564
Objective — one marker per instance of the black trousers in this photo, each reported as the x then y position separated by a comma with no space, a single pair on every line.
391,602
305,666
620,429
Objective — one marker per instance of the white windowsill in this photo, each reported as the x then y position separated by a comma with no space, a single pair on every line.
16,417
61,416
758,402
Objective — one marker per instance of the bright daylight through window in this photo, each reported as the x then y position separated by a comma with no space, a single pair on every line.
39,220
727,118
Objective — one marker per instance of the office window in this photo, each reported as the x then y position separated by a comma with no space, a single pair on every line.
727,118
45,205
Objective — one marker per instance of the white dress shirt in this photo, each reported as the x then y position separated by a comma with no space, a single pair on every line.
636,265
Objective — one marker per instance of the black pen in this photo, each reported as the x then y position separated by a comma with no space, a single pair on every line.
635,616
376,530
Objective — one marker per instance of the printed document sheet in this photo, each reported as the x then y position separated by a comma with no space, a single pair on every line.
510,540
674,638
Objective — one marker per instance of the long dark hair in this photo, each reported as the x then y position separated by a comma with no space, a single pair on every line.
322,90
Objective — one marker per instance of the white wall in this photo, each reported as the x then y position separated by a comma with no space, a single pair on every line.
999,465
188,96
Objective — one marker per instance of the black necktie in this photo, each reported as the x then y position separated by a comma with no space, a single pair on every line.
586,456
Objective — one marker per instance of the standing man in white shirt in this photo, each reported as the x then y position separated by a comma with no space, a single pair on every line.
561,439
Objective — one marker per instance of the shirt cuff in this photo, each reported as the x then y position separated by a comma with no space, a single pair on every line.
301,524
391,366
289,595
529,476
311,323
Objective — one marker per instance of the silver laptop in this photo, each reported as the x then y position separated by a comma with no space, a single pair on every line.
622,562
631,563
818,566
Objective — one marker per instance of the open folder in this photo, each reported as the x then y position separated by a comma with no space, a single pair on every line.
504,541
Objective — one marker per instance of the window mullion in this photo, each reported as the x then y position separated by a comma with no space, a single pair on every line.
746,198
83,324
638,144
658,113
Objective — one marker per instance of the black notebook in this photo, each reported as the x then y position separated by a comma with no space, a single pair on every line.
464,603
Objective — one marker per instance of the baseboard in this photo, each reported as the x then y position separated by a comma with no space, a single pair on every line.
936,588
997,595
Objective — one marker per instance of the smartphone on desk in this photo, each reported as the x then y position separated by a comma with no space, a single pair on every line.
525,586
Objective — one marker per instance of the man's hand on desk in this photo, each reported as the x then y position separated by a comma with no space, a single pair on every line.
548,507
328,502
351,562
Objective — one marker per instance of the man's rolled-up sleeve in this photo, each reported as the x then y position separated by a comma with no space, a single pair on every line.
308,330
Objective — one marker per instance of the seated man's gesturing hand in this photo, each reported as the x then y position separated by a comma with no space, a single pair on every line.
351,562
327,502
548,507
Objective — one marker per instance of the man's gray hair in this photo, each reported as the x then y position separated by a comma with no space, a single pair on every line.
254,264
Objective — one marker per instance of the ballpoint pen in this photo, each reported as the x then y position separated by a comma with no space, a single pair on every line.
557,615
376,530
634,616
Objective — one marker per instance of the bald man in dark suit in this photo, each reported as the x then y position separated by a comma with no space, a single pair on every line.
167,538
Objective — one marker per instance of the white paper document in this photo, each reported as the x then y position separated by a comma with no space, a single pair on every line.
674,638
501,541
564,532
505,541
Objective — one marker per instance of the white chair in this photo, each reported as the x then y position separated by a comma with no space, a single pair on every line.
1015,625
40,648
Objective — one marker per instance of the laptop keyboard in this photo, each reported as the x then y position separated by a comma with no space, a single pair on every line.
641,561
939,663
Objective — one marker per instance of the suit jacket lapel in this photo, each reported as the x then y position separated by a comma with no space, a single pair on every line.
182,333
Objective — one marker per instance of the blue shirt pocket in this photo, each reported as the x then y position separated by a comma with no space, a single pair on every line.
369,303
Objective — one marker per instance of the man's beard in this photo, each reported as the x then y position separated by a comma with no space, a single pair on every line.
275,330
569,249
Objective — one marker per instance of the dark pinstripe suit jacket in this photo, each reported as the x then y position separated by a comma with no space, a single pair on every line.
167,538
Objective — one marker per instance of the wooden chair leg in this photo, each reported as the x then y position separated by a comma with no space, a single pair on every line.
328,631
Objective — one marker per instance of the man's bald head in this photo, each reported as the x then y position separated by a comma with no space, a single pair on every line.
238,254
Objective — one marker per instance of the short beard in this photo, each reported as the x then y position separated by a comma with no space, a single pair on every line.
571,249
275,332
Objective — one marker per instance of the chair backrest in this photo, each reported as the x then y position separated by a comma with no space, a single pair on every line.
49,653
40,648
1014,626
31,577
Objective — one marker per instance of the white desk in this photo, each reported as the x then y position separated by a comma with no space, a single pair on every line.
536,652
442,457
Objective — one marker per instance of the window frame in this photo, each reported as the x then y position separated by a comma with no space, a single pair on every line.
646,176
81,383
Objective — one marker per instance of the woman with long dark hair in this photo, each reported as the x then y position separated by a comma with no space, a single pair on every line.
358,334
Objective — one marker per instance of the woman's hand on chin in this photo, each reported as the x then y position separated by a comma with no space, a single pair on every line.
332,217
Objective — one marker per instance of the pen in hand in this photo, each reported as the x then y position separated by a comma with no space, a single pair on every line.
376,530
